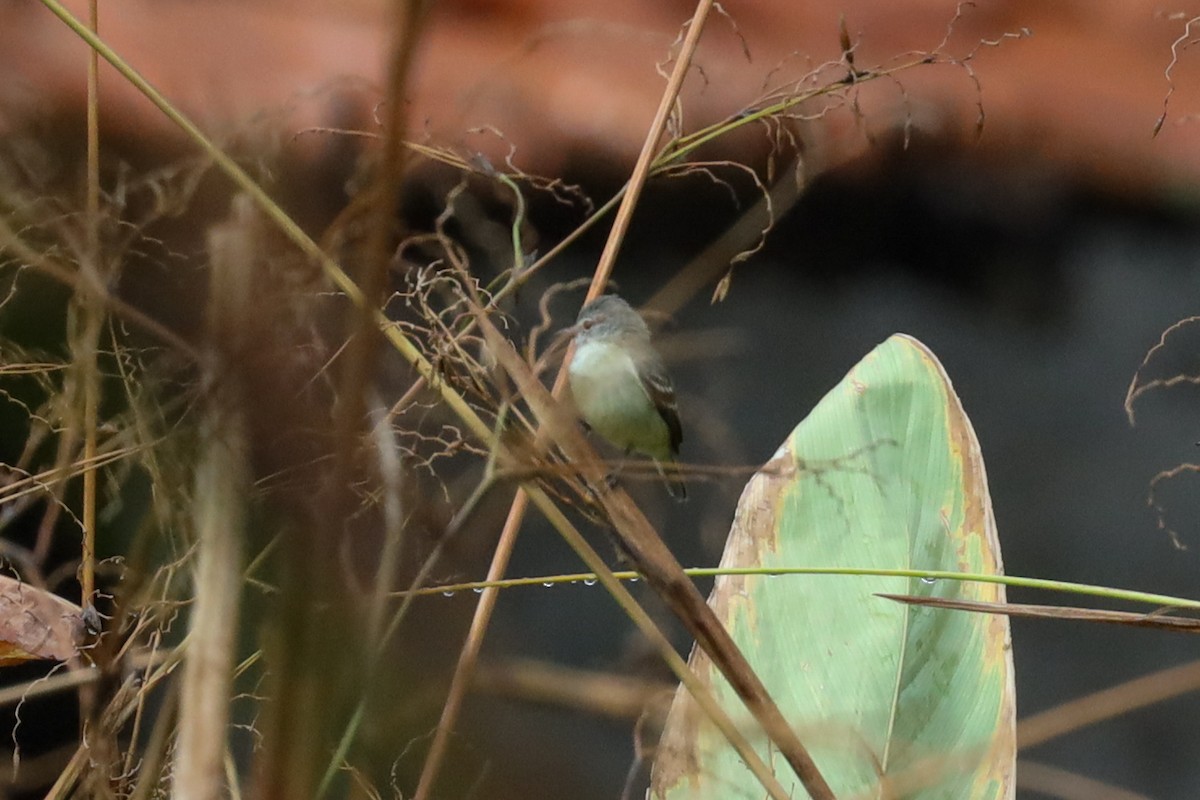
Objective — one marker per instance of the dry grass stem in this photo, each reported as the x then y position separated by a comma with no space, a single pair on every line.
222,484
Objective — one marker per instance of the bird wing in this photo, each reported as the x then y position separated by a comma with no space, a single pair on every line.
662,393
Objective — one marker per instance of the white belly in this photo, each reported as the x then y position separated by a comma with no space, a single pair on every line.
610,398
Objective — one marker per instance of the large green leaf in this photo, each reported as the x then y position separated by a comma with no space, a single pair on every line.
893,701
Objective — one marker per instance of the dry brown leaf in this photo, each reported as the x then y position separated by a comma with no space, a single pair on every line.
35,624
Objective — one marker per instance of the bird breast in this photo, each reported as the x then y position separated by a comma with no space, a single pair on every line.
609,396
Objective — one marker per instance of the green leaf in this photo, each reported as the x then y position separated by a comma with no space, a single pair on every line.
892,701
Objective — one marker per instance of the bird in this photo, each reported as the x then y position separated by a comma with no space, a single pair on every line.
621,388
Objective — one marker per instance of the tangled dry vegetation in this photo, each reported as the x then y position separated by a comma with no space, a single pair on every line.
271,441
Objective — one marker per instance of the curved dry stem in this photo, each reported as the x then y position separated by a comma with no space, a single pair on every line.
1135,389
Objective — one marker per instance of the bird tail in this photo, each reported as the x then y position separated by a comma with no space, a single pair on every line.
674,480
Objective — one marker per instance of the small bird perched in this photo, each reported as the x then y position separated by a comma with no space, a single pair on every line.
621,387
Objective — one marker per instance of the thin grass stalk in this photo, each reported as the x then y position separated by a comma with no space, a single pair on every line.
89,326
86,346
93,316
1090,590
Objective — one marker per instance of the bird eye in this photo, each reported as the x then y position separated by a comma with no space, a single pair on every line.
587,324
